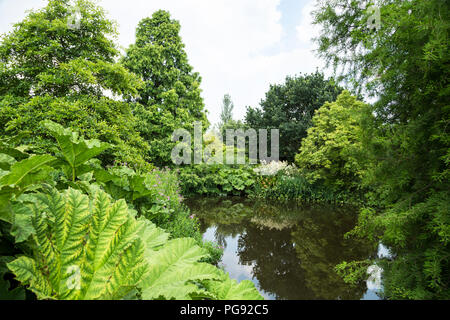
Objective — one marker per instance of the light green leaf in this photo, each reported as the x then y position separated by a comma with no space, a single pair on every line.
76,150
173,267
27,273
22,225
86,249
229,289
152,236
29,171
6,161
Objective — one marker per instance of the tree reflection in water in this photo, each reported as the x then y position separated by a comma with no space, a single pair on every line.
292,250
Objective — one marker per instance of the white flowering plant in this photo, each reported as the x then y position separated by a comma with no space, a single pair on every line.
275,167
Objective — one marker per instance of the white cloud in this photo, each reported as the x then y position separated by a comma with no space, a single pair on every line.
226,41
14,11
306,31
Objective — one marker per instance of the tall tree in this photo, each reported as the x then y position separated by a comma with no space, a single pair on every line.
403,62
290,107
50,70
226,118
171,96
226,115
331,153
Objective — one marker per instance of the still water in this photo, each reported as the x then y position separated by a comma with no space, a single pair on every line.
289,251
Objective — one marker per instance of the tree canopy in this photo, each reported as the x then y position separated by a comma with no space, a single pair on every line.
49,71
226,115
290,107
171,96
331,151
404,65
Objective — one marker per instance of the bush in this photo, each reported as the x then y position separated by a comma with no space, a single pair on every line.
331,151
280,181
219,180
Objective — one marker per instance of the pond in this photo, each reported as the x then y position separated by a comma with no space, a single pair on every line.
289,251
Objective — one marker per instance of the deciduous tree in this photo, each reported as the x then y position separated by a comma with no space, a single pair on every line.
290,107
171,96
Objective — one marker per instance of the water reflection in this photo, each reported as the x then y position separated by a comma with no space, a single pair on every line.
288,251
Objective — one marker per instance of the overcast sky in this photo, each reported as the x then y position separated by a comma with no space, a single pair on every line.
239,47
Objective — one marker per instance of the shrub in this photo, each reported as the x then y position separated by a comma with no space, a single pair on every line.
331,151
220,180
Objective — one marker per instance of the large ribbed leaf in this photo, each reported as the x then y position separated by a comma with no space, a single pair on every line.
152,236
229,289
27,272
22,226
16,153
22,174
95,249
85,249
6,213
6,161
172,268
75,150
29,171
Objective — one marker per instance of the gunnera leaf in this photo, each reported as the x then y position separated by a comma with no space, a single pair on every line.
85,249
76,151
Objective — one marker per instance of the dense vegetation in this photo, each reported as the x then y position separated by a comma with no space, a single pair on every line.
77,230
170,98
83,213
51,72
405,65
290,107
391,157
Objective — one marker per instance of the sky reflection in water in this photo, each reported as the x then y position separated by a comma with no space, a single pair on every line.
288,251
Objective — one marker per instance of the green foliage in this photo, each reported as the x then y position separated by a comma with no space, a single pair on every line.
94,248
290,107
229,289
283,187
154,194
216,179
27,172
170,98
23,175
7,291
283,182
331,152
76,151
174,268
226,115
353,272
51,72
405,65
215,251
7,294
88,246
399,224
66,229
84,250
